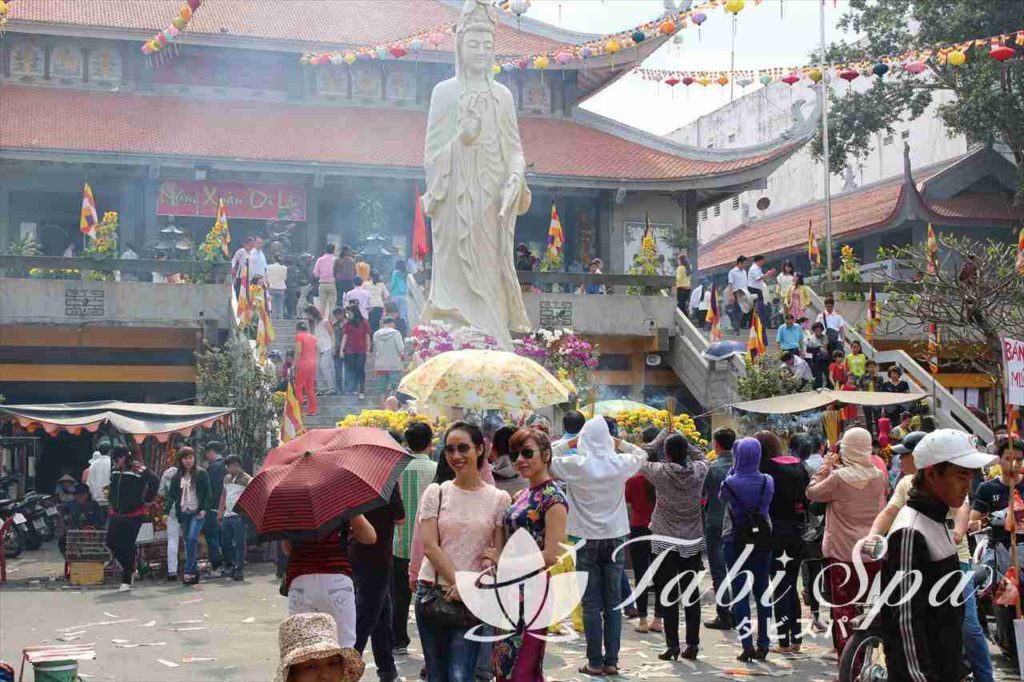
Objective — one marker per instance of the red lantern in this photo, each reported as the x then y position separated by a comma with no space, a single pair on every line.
791,79
1001,52
521,64
849,74
723,80
672,82
397,51
160,38
688,81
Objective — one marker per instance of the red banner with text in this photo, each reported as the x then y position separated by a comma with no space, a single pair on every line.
259,201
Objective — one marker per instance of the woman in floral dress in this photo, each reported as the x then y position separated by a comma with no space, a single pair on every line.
542,510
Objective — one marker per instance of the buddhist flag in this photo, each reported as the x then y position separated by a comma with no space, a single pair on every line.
933,348
714,316
813,252
872,321
89,220
243,314
1020,252
291,423
756,342
222,227
264,327
556,238
933,251
420,249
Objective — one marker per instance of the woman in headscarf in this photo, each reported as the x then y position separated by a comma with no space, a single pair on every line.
788,512
748,494
854,489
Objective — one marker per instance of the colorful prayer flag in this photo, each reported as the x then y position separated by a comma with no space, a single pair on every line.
813,252
420,249
89,219
1020,252
556,237
756,341
291,422
264,327
221,226
714,316
872,321
243,314
933,251
933,348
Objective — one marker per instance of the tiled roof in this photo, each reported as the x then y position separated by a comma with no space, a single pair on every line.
325,22
978,206
164,125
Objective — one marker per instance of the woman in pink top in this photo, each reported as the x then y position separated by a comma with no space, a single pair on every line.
854,489
460,520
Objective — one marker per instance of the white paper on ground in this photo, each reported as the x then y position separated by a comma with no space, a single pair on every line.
169,664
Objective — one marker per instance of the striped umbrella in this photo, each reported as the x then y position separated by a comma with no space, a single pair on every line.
309,486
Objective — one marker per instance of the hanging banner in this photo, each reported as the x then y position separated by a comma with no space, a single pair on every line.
1013,368
259,201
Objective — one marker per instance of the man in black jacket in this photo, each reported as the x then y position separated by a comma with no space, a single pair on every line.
922,635
132,487
216,470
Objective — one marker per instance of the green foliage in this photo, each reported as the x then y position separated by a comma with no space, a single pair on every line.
233,377
373,215
989,97
26,246
848,272
766,378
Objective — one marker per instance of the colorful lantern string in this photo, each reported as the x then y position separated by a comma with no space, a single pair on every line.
159,41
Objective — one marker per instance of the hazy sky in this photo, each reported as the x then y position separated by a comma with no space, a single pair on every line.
776,33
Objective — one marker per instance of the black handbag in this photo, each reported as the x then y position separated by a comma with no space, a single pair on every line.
753,528
437,609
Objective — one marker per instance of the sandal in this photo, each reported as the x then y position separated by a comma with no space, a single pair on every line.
594,672
611,670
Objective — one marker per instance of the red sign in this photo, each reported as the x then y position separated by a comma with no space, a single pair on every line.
261,201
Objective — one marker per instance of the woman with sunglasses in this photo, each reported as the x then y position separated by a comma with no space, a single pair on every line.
460,520
542,511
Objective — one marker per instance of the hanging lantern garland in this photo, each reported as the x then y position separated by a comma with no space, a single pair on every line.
4,11
914,62
155,47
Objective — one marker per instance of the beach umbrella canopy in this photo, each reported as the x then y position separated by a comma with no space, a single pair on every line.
311,485
484,379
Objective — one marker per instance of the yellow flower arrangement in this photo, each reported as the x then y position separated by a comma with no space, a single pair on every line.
103,245
632,422
391,421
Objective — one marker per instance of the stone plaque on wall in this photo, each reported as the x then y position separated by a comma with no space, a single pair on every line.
555,314
83,302
632,234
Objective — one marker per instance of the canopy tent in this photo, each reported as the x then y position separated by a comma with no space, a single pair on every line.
136,419
801,402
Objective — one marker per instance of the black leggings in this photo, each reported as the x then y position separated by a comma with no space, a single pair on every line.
640,555
671,567
122,532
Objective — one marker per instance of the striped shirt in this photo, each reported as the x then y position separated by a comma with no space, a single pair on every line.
414,480
318,557
677,509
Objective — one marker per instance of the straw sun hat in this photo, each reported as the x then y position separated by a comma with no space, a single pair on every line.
310,636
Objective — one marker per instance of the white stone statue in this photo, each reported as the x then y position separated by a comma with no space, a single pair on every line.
476,187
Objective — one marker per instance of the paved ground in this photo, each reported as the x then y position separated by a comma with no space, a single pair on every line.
222,630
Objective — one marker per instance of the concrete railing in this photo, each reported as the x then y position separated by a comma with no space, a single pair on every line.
712,383
140,268
951,412
415,302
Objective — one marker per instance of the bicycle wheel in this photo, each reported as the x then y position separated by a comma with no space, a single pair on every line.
863,659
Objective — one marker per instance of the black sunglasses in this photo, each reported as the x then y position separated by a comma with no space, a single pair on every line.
461,448
525,453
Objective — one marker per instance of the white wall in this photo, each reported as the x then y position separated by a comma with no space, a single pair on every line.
766,113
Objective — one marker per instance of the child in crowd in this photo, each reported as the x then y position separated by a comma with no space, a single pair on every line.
837,371
856,362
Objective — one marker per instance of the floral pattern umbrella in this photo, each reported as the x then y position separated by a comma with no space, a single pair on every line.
484,379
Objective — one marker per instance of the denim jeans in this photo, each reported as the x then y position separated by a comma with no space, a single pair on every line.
448,655
758,564
191,524
211,531
975,645
602,621
718,569
232,531
373,618
787,538
277,304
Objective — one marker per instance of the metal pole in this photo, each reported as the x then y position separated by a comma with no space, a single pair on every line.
732,61
825,147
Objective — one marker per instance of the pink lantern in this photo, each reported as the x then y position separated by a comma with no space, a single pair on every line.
563,58
146,49
849,75
173,30
435,39
791,79
914,67
688,81
521,64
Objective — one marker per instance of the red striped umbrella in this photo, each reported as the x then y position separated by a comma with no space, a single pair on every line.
308,487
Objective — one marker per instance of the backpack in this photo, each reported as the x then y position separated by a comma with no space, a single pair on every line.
752,527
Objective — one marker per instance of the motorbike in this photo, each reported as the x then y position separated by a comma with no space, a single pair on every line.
37,516
15,535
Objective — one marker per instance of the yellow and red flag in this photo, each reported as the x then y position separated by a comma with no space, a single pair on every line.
264,327
933,251
222,227
89,219
420,248
556,237
714,316
813,252
1020,251
243,313
291,422
872,321
756,345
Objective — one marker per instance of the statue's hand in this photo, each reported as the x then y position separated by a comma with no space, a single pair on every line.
510,195
470,125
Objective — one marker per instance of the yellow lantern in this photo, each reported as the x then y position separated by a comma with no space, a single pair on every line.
704,82
612,46
350,58
540,62
956,58
495,69
815,75
735,6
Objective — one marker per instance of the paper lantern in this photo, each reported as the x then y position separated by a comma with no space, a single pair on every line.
587,52
508,67
699,18
723,80
324,59
815,75
519,7
563,58
398,51
194,4
168,36
364,56
667,27
849,75
704,82
790,79
162,39
350,58
540,62
880,69
612,46
677,39
521,64
735,6
639,36
336,59
672,82
914,67
956,58
415,45
304,59
186,13
380,53
179,23
435,39
146,49
744,82
688,81
174,32
496,69
764,79
1001,53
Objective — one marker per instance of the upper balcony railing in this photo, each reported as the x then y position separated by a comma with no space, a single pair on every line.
137,269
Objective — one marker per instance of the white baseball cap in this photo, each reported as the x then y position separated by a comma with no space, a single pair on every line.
950,445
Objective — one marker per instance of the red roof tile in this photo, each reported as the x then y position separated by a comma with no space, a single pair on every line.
133,124
330,22
979,206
